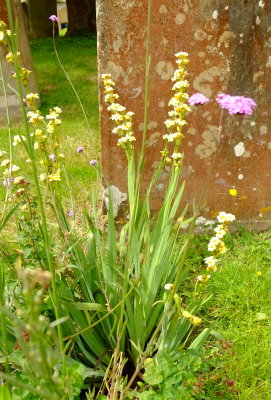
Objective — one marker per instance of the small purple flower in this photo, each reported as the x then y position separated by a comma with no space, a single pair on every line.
236,104
230,383
7,182
52,157
70,213
80,149
197,99
93,163
53,18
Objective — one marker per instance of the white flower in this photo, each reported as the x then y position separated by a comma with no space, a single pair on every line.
17,139
220,231
43,177
210,261
177,156
117,117
214,242
224,217
116,107
180,85
106,76
5,163
181,54
168,286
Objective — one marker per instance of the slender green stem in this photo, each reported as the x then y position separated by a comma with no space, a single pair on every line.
9,129
147,84
3,318
31,153
72,85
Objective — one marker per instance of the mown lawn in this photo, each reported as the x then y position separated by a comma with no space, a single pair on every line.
78,57
239,309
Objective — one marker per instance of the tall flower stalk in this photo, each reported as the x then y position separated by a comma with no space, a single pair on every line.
22,78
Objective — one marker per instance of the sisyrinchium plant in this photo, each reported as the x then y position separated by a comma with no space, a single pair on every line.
87,302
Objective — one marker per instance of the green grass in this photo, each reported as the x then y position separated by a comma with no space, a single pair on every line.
240,310
79,57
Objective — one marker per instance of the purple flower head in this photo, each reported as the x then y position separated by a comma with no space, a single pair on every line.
197,99
7,182
236,104
70,213
80,149
93,163
53,18
230,383
52,157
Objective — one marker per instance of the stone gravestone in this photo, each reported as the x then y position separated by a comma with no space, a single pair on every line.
39,13
229,49
26,57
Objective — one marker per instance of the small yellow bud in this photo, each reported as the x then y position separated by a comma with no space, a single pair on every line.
233,192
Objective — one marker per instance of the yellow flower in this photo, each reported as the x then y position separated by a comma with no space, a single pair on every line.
196,320
186,314
31,98
55,177
38,133
43,177
259,273
232,192
34,117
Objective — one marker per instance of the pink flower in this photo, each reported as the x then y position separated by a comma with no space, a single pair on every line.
93,163
236,104
70,213
53,18
52,157
197,99
80,149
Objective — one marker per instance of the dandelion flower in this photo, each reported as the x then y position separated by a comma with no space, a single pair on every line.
233,192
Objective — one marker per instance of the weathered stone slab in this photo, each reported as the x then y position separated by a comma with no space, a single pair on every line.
26,58
229,46
39,13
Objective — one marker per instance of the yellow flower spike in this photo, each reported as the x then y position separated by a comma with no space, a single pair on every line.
232,192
